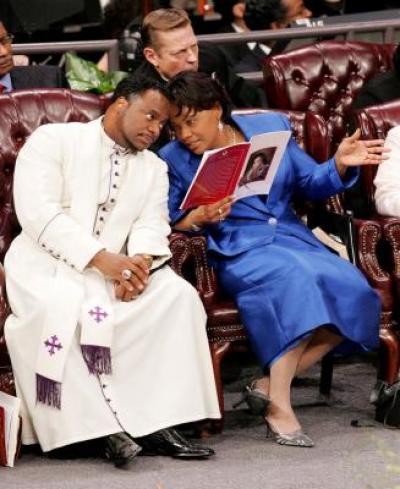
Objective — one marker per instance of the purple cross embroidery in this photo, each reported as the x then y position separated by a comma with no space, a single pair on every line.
98,314
52,343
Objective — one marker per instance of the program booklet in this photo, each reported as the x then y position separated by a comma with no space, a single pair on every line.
241,170
10,429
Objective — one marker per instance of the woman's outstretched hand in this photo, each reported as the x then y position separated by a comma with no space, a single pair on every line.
354,152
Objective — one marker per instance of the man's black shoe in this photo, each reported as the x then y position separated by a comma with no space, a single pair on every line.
170,442
121,449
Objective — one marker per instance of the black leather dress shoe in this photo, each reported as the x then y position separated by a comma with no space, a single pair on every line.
121,449
170,442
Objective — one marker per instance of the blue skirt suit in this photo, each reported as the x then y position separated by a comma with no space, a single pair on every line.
284,281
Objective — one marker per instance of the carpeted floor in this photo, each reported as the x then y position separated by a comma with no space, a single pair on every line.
345,456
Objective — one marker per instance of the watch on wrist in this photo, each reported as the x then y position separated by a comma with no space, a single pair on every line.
148,259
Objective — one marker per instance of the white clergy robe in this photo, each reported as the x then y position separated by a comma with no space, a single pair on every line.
387,179
161,368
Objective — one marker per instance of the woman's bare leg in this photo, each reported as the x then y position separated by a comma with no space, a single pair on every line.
321,342
280,412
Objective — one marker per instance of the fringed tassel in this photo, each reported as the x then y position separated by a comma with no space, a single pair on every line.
48,391
97,358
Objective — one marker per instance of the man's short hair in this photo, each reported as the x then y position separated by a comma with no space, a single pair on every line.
260,14
135,85
162,20
225,7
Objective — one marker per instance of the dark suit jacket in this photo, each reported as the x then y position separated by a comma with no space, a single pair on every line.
382,88
37,77
243,59
235,53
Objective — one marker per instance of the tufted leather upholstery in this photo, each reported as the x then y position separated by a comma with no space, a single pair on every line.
21,113
375,122
324,77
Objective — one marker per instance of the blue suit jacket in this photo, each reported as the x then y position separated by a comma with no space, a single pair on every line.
254,221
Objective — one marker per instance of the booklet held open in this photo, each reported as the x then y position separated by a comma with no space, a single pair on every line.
241,170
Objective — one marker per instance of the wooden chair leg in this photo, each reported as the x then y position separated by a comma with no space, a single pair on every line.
218,351
389,356
325,382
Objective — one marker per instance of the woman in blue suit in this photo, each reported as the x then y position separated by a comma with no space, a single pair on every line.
297,300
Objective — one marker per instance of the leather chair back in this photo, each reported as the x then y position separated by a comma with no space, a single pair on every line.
324,78
309,129
375,122
21,112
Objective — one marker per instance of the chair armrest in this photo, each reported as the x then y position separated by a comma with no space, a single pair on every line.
362,238
206,281
179,244
369,234
391,231
189,260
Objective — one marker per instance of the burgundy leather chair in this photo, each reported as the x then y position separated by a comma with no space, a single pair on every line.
375,122
21,112
324,77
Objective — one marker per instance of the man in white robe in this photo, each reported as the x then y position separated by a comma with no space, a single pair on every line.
100,345
387,179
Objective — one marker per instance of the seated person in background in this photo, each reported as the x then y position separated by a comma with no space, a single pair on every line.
249,15
19,77
269,14
170,46
381,88
387,179
232,18
297,300
105,339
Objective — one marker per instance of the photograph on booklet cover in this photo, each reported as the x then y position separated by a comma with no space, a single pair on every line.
258,166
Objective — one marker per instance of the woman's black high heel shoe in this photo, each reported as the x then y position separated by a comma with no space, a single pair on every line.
256,400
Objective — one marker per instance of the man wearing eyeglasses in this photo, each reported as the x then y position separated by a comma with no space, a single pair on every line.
19,77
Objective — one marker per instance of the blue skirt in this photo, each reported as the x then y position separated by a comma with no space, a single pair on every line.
288,288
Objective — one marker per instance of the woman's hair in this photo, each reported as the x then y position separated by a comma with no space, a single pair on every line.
162,20
198,91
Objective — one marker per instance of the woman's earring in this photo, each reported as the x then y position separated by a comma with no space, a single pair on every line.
220,126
